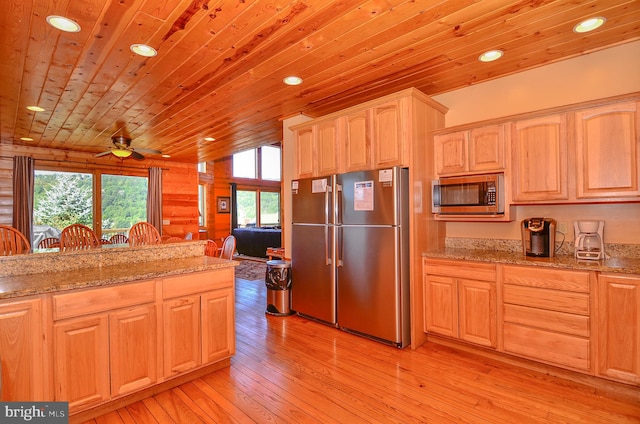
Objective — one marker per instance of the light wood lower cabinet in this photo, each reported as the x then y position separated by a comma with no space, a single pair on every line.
21,350
619,327
199,326
460,300
546,315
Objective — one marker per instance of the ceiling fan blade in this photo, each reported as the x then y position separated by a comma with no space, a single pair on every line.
103,154
149,151
137,155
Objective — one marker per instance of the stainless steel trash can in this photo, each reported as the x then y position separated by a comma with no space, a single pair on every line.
278,282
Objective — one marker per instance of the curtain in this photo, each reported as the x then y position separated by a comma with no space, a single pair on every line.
234,206
154,198
23,176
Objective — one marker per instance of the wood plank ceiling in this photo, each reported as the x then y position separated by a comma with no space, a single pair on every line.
220,64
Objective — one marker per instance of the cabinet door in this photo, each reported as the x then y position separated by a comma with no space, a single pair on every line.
304,152
389,135
181,334
619,327
451,152
133,349
218,335
357,141
327,147
486,148
540,159
607,158
477,312
441,303
81,356
21,351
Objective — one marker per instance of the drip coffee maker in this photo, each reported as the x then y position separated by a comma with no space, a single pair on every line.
589,242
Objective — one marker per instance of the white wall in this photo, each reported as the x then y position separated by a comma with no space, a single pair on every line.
606,73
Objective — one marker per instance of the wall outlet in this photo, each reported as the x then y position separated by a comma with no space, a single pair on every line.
168,222
563,227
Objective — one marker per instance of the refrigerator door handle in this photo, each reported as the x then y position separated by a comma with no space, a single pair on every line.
339,247
327,244
338,204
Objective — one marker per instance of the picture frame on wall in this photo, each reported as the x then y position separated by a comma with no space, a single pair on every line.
224,204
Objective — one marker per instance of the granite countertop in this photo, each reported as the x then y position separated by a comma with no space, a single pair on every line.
49,282
627,265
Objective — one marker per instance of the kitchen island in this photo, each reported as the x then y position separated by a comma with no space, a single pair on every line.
572,314
135,320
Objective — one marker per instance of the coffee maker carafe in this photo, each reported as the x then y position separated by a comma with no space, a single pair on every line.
589,242
539,237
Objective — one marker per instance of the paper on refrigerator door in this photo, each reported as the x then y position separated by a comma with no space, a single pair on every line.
363,196
319,186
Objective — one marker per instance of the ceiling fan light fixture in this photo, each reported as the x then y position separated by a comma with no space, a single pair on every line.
589,24
491,55
292,80
143,50
122,153
63,24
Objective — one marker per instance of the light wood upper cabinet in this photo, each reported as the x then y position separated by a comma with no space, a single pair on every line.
477,150
357,141
619,327
390,132
318,149
608,151
21,349
539,159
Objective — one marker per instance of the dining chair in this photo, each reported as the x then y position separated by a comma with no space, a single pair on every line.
12,241
171,239
143,233
211,249
188,236
49,243
118,239
228,248
78,237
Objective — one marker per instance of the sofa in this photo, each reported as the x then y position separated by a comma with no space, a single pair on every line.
253,241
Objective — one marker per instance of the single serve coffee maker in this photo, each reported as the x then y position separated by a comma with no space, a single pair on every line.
539,237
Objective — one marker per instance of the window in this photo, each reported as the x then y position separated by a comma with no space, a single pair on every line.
124,202
62,198
269,208
247,207
244,164
202,167
202,204
270,163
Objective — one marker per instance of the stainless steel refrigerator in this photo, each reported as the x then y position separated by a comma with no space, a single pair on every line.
350,263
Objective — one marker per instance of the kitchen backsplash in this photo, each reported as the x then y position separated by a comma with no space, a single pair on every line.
562,248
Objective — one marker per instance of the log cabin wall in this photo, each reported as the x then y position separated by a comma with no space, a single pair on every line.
179,182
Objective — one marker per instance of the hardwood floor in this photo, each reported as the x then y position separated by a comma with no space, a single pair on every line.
292,370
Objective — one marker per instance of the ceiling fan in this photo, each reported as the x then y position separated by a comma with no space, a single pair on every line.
122,149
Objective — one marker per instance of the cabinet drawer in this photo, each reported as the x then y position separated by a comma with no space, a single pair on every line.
183,285
553,300
561,322
90,301
557,279
460,269
561,349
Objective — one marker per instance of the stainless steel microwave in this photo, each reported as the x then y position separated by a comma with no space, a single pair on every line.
469,195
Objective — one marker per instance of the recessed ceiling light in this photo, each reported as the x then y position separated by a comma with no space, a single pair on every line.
589,24
143,50
166,156
26,138
209,139
491,55
63,24
35,108
292,80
